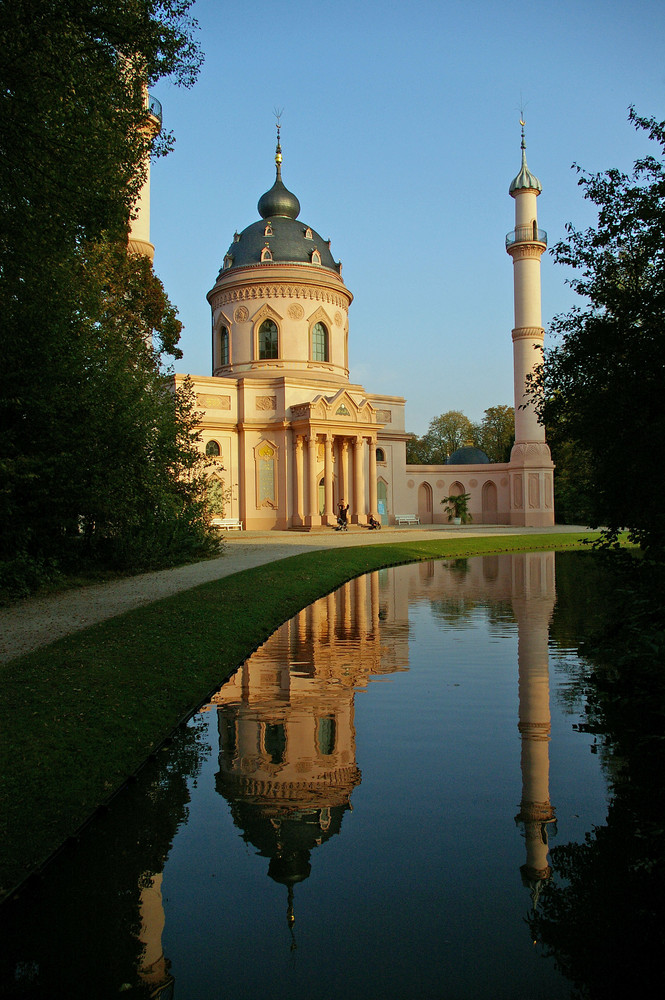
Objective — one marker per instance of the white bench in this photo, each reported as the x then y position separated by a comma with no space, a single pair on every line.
406,519
226,523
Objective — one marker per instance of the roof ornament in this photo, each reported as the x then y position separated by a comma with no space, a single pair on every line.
278,112
278,202
525,180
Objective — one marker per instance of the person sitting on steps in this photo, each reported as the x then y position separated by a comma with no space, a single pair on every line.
373,524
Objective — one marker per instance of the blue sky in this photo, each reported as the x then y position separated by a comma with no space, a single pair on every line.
400,136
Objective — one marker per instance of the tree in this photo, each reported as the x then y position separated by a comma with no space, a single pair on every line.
601,388
91,435
446,433
495,435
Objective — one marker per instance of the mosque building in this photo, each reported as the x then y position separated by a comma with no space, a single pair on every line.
288,434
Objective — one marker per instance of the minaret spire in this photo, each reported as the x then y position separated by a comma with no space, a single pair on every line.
278,152
278,201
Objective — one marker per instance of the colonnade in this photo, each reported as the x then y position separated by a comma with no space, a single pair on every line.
349,473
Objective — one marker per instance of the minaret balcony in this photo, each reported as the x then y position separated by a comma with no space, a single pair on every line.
155,108
526,234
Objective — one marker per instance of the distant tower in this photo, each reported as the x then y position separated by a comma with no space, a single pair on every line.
139,231
531,491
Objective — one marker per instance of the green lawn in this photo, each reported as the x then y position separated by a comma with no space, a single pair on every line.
81,715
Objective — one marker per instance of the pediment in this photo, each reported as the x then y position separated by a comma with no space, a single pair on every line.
342,407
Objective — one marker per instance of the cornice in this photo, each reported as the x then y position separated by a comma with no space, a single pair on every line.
528,333
526,251
280,281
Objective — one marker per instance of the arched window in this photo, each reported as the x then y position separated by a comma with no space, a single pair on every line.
224,345
319,342
213,449
380,455
266,253
268,337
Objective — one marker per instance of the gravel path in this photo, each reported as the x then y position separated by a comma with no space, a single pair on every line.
35,622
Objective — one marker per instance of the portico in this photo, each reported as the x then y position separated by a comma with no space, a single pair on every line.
334,459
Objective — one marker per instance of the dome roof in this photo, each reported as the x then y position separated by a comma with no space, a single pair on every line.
525,180
280,237
468,455
288,241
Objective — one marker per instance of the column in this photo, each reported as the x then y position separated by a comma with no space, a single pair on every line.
312,499
359,515
329,514
344,491
373,505
299,485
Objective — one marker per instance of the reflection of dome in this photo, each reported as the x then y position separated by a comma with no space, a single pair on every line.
468,455
286,835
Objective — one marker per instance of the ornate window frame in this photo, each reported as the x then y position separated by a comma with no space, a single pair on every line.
266,474
221,323
266,313
322,317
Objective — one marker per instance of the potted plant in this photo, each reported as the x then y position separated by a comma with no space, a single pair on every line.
457,508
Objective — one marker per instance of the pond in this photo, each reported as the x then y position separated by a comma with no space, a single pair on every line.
365,809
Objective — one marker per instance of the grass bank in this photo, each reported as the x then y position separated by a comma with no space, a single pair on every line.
82,715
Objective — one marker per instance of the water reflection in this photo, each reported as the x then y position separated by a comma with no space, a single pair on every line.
287,757
431,844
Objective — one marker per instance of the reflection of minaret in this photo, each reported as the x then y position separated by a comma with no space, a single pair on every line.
153,968
533,602
287,760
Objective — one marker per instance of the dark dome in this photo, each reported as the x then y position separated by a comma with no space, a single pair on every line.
280,238
288,240
278,201
468,455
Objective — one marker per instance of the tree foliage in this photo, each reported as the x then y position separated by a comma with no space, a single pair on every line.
446,433
601,388
94,444
495,435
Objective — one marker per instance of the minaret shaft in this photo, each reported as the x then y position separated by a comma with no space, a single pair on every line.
532,500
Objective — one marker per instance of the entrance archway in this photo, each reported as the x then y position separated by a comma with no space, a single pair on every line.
425,503
382,500
489,501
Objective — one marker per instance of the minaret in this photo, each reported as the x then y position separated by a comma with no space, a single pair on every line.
139,231
531,499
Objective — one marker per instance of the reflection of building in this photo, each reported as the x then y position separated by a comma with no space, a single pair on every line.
287,739
287,758
287,746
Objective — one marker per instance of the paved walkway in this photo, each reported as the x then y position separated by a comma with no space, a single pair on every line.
36,622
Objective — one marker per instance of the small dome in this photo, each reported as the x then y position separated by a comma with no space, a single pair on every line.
468,455
278,201
525,180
